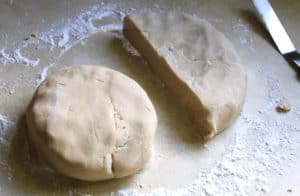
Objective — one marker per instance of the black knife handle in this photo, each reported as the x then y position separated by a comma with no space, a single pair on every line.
293,57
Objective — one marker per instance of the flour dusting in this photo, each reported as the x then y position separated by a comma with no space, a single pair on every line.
243,31
6,131
43,74
17,56
274,94
79,28
127,46
82,26
5,125
262,145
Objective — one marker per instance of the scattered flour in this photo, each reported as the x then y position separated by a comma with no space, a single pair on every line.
82,26
243,31
5,57
21,59
5,125
243,170
76,30
129,48
6,132
274,94
261,146
17,57
43,73
64,37
297,112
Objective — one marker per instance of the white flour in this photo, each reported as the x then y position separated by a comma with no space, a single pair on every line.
16,57
7,128
5,125
63,38
243,31
262,145
274,94
129,47
82,26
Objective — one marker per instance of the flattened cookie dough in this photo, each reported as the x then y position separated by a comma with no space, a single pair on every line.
92,123
198,63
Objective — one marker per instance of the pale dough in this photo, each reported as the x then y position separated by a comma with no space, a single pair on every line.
92,123
196,62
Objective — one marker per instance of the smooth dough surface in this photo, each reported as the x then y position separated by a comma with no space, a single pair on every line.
198,63
92,123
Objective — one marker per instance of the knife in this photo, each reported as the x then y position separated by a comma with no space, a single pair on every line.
277,31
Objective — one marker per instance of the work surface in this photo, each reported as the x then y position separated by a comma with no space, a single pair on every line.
259,154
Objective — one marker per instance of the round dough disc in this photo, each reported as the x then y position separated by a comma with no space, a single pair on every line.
92,123
194,60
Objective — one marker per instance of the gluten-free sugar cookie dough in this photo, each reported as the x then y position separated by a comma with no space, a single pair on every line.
92,123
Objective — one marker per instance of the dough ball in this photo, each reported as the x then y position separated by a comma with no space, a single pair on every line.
283,106
92,123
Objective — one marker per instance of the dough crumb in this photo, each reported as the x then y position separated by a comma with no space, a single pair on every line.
283,106
11,91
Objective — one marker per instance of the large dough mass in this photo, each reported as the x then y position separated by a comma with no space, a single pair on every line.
92,123
196,62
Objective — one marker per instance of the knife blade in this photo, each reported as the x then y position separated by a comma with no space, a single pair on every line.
274,26
277,31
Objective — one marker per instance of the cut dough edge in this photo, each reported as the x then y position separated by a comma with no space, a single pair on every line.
132,32
209,124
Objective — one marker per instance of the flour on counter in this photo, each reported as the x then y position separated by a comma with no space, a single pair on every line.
76,30
5,57
261,146
5,126
128,47
17,57
243,30
43,73
274,94
82,26
21,59
5,134
65,36
89,21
